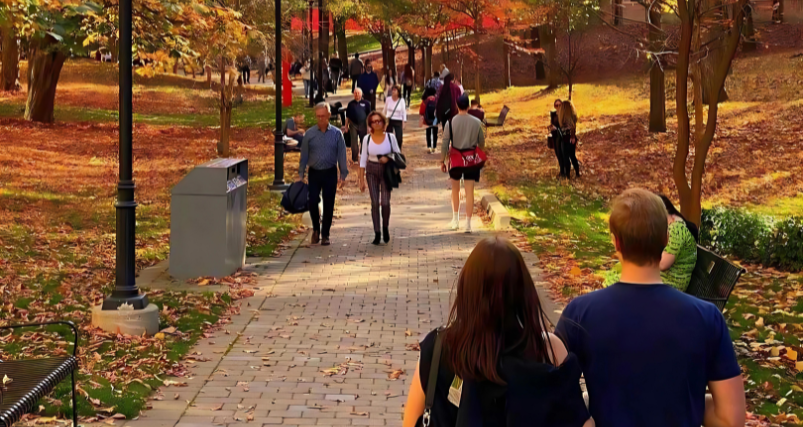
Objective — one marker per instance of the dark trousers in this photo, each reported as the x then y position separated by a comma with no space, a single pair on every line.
432,137
371,97
396,126
407,93
246,76
322,181
354,82
570,157
336,76
356,135
562,160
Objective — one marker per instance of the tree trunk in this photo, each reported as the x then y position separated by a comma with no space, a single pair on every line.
547,37
208,71
9,77
506,59
44,68
681,97
535,43
225,110
342,43
428,60
618,11
715,57
657,89
749,44
477,86
325,17
114,49
697,89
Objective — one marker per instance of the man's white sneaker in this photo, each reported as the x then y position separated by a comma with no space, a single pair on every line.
454,225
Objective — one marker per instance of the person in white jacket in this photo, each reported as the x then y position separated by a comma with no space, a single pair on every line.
396,112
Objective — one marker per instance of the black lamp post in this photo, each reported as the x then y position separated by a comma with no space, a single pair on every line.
125,289
311,54
278,134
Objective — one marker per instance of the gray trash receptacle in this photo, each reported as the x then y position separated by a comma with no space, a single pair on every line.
208,211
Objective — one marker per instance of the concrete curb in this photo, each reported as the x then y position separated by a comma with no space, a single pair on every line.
500,218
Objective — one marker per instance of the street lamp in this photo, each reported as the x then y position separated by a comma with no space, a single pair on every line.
278,134
311,53
126,310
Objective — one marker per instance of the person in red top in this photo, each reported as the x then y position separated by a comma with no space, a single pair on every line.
427,111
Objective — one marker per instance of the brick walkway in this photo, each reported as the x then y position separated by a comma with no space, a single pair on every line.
332,327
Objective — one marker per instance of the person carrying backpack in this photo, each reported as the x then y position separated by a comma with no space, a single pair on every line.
428,119
495,363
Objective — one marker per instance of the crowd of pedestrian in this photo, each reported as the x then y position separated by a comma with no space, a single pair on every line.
375,137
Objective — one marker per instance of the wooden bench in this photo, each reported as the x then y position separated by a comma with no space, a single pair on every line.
713,278
32,379
500,121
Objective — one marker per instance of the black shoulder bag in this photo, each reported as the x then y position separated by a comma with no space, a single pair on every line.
433,378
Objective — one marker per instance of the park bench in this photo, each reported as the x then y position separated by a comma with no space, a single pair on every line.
713,278
33,379
500,121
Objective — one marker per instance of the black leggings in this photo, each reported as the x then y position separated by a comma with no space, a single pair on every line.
570,157
408,92
432,137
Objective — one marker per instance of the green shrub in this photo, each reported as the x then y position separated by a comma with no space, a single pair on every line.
754,237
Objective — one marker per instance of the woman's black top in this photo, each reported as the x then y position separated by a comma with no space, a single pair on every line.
536,394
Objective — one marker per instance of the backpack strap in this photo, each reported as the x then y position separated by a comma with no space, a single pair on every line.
433,377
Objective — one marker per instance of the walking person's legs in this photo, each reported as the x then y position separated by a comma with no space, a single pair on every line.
329,190
572,156
398,129
306,88
455,224
314,199
354,82
355,142
468,184
385,204
432,139
374,178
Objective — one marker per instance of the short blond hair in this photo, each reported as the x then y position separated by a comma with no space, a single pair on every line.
638,222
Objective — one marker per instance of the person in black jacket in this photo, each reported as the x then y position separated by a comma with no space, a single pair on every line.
498,365
554,131
567,119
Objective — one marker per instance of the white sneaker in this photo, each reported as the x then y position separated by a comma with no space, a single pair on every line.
454,225
468,227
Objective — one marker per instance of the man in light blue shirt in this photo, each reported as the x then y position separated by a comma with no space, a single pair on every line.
323,149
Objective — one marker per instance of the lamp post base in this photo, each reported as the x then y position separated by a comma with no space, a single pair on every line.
126,320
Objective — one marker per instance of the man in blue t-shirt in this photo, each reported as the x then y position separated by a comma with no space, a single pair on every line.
647,350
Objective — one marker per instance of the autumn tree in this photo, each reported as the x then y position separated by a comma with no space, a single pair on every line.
694,16
10,22
422,23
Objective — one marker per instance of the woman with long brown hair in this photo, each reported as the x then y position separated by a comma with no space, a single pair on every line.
497,365
567,118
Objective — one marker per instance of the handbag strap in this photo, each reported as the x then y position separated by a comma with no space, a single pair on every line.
394,108
433,377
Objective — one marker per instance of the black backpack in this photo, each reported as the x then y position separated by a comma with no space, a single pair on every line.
294,199
430,112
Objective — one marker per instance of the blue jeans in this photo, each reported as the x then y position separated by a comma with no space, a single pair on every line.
306,88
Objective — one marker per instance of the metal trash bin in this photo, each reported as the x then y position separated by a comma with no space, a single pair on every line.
208,211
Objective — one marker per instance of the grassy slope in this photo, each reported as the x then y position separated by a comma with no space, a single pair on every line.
570,221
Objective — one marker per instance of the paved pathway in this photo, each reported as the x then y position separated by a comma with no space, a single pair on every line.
332,327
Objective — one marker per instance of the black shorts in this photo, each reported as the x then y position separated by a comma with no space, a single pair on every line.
468,174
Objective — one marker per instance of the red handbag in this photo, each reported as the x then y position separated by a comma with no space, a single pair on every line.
470,158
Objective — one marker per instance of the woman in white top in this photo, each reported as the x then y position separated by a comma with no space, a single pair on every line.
396,112
375,148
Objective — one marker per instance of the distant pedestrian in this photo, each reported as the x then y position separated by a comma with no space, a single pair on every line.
323,149
447,100
435,82
246,69
336,69
477,111
261,68
388,81
396,113
444,71
462,132
356,114
356,68
369,83
306,76
408,80
376,147
567,118
557,141
427,112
